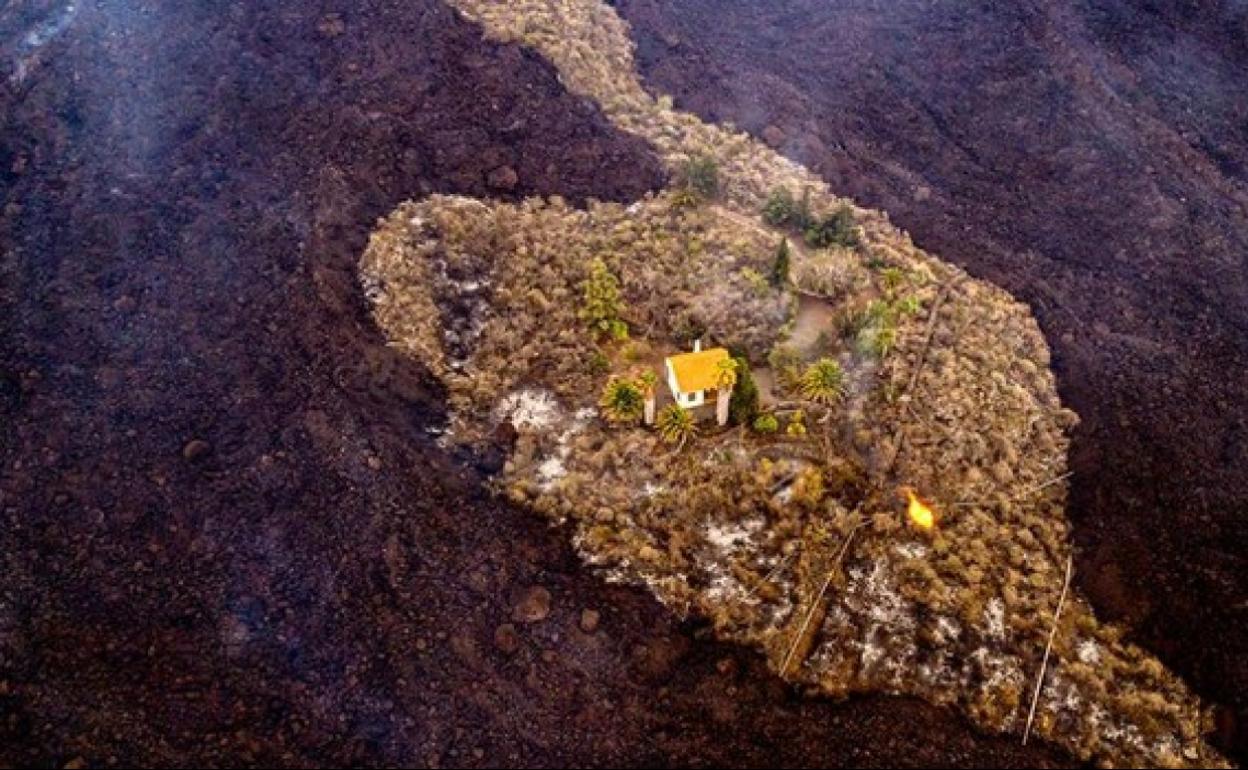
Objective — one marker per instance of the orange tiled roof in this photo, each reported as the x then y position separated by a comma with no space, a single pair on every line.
697,371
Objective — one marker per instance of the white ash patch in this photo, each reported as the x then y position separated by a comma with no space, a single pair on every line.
550,471
993,673
876,595
1112,730
995,669
1088,651
947,630
529,408
730,536
722,587
472,286
1061,695
555,466
994,618
910,550
886,646
1062,698
726,540
872,652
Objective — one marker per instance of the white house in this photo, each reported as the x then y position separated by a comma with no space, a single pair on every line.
691,375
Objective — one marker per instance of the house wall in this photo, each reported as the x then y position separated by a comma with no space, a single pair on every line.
687,400
671,381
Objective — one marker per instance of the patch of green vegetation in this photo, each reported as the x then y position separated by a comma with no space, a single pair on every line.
597,363
701,176
852,320
780,267
743,405
785,363
797,424
909,305
891,279
757,283
648,382
766,423
676,425
836,229
803,215
635,351
601,304
823,382
780,208
684,198
877,340
622,401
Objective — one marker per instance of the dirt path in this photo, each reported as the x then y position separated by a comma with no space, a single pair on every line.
1091,160
226,534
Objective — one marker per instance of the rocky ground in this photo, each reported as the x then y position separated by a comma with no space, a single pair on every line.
227,537
1092,159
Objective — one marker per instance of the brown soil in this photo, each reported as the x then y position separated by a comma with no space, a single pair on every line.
1093,161
226,536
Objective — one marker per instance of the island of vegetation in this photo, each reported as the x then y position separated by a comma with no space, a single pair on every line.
873,490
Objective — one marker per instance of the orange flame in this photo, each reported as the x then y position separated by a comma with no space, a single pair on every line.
920,515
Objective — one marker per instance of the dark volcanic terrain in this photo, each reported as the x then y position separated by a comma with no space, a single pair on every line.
1092,158
226,535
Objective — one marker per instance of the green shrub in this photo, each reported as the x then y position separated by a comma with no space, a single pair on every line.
803,217
635,350
757,283
838,229
878,339
622,400
676,425
601,304
891,279
766,423
823,382
701,175
684,198
851,321
598,363
743,405
780,268
688,327
797,424
780,208
785,363
909,305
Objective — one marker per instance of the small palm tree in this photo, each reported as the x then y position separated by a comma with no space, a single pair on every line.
648,382
622,401
676,425
823,382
